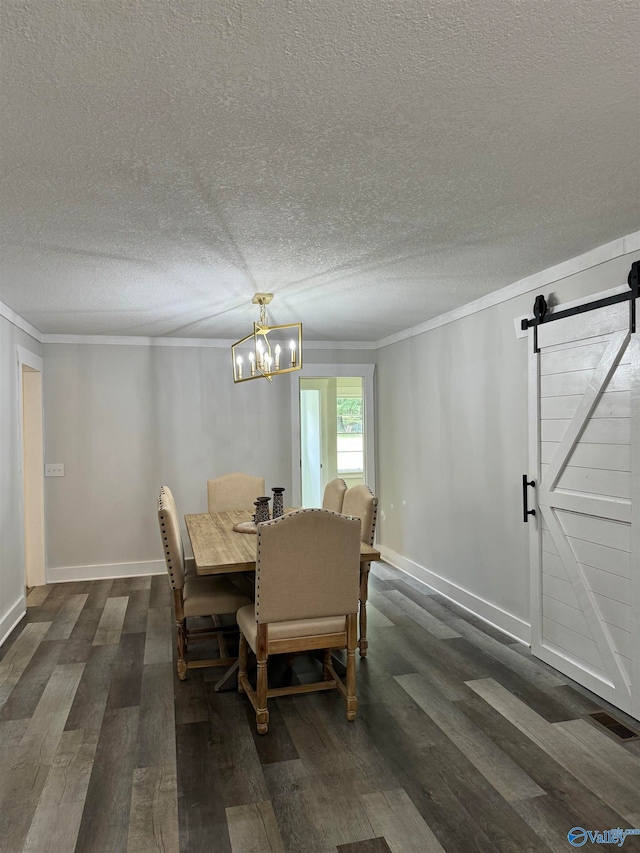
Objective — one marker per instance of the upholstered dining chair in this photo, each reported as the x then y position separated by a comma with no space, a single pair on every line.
359,501
307,571
234,492
194,595
334,495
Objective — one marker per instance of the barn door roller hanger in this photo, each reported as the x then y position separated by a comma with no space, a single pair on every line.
540,307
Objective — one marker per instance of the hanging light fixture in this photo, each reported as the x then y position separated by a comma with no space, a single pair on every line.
268,350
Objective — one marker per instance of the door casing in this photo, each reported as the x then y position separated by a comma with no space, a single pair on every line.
29,362
367,373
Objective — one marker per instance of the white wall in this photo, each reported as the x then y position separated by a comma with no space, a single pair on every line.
452,439
339,356
12,590
126,419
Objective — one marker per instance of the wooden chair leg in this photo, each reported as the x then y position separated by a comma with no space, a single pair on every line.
262,714
363,643
327,663
243,655
181,630
352,633
364,594
222,643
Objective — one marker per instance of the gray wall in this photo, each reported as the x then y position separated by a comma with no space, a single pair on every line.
125,419
11,535
340,356
452,439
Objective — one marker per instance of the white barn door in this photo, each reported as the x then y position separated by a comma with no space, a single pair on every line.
585,538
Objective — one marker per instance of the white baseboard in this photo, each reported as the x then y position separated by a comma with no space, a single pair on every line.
107,571
12,617
485,610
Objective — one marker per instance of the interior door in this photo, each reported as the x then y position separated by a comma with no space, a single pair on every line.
311,447
585,449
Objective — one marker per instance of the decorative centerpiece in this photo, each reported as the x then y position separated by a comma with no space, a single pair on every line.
278,501
262,509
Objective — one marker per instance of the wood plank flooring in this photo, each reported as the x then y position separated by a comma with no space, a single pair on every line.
463,741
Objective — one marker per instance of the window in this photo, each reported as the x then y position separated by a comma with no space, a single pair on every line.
349,430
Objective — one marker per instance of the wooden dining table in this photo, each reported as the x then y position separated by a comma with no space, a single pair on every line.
219,549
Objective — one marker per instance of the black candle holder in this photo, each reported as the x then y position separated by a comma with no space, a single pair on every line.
262,509
278,501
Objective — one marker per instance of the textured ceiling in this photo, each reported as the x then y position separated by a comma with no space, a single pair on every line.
374,163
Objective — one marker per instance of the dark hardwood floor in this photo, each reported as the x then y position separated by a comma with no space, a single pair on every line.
463,741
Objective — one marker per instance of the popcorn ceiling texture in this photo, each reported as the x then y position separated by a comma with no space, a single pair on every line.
374,163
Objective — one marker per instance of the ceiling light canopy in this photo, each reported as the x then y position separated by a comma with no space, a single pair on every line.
268,350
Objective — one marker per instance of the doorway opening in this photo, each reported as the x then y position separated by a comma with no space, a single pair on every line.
32,459
333,419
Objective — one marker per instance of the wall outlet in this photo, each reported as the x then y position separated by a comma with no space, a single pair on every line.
54,469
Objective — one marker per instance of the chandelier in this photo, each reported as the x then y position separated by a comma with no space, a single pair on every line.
268,350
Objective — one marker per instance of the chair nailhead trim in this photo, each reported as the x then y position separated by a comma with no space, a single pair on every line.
168,559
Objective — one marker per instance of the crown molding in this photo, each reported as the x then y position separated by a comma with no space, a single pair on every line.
216,343
593,258
132,341
20,323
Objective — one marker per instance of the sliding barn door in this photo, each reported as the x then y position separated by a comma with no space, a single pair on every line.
585,537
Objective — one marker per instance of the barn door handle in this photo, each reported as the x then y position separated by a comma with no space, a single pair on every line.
526,512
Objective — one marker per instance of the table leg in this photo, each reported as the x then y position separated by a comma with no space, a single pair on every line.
222,683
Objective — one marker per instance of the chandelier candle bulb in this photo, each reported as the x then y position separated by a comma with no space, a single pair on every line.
260,355
239,363
292,347
252,363
278,351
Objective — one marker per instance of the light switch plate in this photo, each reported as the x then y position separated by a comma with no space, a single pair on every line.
54,469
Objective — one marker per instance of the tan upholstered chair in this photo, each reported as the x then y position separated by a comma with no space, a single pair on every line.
307,573
194,595
334,495
359,501
234,492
